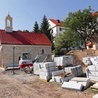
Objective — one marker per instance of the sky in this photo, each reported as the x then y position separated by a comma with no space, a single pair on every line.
26,12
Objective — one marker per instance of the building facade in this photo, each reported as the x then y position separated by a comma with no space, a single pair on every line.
56,27
14,43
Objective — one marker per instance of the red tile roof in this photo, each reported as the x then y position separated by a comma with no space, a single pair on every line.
56,22
95,13
23,38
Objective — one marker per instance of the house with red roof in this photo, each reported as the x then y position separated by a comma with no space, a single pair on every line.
56,27
20,42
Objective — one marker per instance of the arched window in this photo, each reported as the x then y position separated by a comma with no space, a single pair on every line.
8,23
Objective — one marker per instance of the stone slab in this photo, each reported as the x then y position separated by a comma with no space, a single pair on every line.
80,79
95,96
73,85
56,73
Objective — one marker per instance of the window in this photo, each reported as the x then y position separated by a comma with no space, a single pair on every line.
60,29
26,56
8,23
42,51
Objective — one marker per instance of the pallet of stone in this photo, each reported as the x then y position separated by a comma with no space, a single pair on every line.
75,70
60,76
43,67
36,68
45,70
63,60
92,72
56,75
72,85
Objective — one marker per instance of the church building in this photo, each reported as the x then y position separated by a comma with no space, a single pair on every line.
14,43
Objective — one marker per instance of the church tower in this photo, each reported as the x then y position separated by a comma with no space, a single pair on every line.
8,24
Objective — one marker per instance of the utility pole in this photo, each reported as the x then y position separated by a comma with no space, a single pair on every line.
13,58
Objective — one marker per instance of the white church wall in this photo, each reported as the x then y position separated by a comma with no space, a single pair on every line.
7,52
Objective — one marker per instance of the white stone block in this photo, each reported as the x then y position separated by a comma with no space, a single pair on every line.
79,70
94,78
74,72
86,60
66,79
68,69
72,85
57,79
44,67
94,60
36,68
84,81
51,80
92,73
47,65
91,68
56,73
80,79
44,77
63,60
44,73
95,96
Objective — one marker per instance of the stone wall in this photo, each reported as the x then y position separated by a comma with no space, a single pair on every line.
7,52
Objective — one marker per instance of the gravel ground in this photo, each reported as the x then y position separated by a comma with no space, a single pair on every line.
22,85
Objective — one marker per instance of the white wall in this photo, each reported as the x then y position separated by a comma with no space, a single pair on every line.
56,29
7,52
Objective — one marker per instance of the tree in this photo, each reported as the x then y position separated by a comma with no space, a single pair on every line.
25,30
66,41
45,27
83,23
36,27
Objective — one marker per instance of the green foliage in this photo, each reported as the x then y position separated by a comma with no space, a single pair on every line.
36,27
82,22
66,40
45,27
25,30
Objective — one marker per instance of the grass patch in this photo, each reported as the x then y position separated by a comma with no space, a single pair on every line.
95,91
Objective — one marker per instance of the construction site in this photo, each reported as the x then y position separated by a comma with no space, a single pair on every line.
75,77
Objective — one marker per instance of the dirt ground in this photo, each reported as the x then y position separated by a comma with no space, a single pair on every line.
22,85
